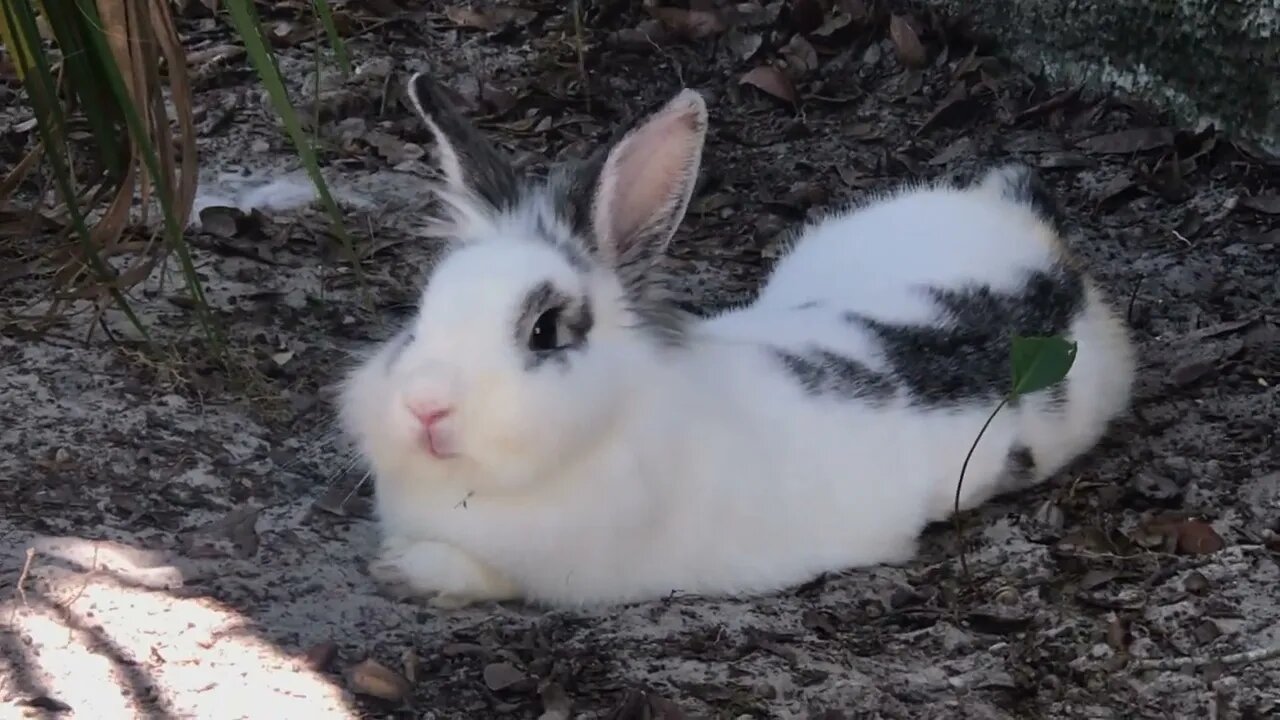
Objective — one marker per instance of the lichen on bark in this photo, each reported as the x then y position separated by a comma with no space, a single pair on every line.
1204,60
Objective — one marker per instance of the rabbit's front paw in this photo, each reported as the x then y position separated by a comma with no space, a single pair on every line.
440,574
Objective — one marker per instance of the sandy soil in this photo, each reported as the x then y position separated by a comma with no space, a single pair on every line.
182,539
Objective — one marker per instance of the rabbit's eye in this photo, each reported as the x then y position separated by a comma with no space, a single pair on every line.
545,334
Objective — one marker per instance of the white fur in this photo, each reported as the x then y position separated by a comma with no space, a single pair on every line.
641,470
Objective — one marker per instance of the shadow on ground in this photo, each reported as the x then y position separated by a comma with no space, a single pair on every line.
182,569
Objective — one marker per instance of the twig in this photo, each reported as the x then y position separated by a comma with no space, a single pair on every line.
22,577
1241,658
964,563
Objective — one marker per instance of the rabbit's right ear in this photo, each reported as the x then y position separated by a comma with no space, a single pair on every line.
645,183
471,165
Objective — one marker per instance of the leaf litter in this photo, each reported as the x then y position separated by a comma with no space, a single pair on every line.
1142,543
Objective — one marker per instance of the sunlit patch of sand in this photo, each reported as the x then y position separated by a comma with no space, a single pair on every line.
102,629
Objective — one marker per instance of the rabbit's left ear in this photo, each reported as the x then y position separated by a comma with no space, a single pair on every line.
643,189
471,165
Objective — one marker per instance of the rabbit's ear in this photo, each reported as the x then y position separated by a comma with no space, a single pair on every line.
470,164
643,188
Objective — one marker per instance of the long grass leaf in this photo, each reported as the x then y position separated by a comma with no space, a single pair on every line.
245,18
51,125
70,25
16,44
138,129
335,40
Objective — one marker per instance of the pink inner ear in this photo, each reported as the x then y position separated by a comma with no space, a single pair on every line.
650,172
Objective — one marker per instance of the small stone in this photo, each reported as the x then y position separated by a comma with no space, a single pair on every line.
1206,632
1195,582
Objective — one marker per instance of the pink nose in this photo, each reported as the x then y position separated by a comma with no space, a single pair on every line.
429,415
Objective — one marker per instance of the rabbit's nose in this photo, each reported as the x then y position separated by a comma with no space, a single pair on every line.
429,414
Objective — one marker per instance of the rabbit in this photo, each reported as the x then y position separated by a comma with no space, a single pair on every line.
551,429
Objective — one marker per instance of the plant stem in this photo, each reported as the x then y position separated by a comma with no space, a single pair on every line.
964,564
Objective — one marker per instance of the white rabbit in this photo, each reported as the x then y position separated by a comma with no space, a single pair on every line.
551,428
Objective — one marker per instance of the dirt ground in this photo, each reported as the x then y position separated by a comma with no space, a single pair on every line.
178,539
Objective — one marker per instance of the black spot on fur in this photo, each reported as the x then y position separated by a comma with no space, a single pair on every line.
1019,467
576,321
572,187
824,373
488,173
399,343
1024,186
964,356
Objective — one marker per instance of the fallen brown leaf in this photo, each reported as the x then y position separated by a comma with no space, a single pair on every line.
743,45
470,18
690,24
489,20
1268,204
955,109
1116,189
377,680
772,81
833,25
910,50
1127,141
1196,537
800,55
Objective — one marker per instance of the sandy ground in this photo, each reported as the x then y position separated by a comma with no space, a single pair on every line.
181,539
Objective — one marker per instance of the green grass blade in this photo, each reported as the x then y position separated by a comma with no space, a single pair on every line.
70,24
51,125
245,19
335,40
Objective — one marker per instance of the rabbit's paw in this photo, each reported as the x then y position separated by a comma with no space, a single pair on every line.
438,574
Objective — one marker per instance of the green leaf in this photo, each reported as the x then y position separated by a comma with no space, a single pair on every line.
1039,362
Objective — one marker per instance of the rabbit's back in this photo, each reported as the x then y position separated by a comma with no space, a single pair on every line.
876,258
904,310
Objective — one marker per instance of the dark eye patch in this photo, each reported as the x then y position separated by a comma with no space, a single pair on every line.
550,323
398,344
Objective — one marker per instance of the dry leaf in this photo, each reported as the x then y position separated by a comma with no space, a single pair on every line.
743,45
1128,141
1196,537
377,680
855,9
833,24
1269,204
690,24
955,109
499,676
488,20
805,15
800,55
1191,371
910,50
773,81
467,17
556,704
